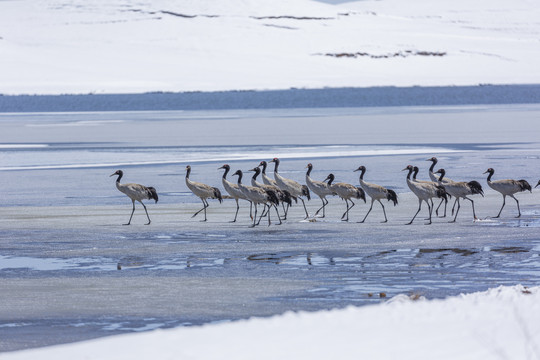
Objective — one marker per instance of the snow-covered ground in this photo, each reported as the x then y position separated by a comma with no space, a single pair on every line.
121,46
501,323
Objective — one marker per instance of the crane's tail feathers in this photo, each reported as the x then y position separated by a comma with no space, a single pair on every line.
360,193
217,195
476,188
441,193
524,185
392,196
285,196
305,192
272,197
152,193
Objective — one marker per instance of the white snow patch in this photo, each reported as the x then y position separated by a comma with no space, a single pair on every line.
501,323
120,46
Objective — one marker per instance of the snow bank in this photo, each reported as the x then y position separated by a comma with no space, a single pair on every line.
120,46
501,323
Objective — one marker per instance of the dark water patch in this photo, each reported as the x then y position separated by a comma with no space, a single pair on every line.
510,250
463,252
277,99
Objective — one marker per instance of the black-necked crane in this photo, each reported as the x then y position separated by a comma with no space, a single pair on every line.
136,192
460,189
507,187
269,181
415,173
320,188
202,191
258,196
435,178
233,190
293,187
424,192
346,192
283,196
376,192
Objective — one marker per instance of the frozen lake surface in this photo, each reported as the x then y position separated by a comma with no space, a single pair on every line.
62,242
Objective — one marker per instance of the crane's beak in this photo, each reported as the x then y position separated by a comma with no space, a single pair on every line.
356,170
537,184
405,169
112,174
485,172
221,167
254,169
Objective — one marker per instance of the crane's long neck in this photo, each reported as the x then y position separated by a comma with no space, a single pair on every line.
442,175
362,173
432,167
264,167
415,172
489,176
308,173
240,178
409,174
188,171
276,166
257,172
330,179
226,172
119,177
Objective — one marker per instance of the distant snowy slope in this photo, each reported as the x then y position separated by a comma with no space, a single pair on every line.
119,46
501,323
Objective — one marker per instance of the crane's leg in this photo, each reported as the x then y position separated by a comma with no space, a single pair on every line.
269,208
204,208
322,207
517,202
349,208
237,208
264,213
277,212
500,211
432,207
345,213
457,210
455,201
254,216
419,208
371,207
132,211
285,210
384,212
303,203
146,211
430,211
472,204
250,209
205,202
437,210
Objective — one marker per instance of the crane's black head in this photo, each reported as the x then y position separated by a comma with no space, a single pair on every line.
330,177
118,172
434,159
256,169
416,169
263,163
309,166
491,171
361,168
409,168
275,160
440,171
188,167
238,172
537,184
226,166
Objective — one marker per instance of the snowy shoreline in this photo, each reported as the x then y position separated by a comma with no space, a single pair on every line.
494,324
